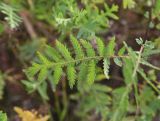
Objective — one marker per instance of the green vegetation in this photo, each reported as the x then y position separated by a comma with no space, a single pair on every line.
3,117
82,60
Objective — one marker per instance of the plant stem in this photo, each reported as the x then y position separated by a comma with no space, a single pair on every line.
138,61
57,103
65,101
83,59
134,74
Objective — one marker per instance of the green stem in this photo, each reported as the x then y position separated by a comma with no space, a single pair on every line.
57,104
138,61
133,76
65,101
82,59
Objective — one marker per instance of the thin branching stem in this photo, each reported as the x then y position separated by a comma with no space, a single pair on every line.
138,61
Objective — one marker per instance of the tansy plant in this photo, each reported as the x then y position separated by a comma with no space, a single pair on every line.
81,67
79,62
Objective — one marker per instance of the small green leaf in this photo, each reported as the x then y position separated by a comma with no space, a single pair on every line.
101,88
100,46
89,49
31,71
139,41
43,74
71,73
128,4
121,51
63,50
42,89
57,74
118,61
110,11
52,53
77,47
12,17
149,45
128,71
109,50
43,59
83,68
106,64
31,85
91,72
